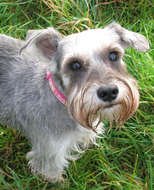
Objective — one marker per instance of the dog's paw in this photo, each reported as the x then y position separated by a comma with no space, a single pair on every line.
44,170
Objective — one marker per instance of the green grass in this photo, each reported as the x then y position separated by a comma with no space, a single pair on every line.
125,158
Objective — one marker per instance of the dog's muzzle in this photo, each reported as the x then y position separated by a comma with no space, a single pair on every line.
95,102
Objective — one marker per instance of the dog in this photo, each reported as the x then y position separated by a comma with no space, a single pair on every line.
58,89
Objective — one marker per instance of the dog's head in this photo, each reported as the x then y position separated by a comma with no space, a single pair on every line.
93,74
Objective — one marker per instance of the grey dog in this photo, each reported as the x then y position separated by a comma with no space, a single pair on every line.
58,89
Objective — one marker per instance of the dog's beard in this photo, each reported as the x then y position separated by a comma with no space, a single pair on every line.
88,110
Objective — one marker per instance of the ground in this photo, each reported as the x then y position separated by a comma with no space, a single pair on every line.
125,158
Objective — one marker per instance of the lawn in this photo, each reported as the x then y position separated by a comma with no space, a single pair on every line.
125,158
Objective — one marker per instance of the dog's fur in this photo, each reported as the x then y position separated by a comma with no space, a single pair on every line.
27,103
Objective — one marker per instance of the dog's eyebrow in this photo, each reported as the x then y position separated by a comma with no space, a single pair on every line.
83,59
75,58
105,50
117,48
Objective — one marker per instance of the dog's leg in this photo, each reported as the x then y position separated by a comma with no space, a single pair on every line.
50,154
48,157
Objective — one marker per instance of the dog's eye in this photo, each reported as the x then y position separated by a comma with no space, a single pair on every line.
113,56
75,65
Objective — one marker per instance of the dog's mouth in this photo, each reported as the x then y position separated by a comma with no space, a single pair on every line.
111,105
107,112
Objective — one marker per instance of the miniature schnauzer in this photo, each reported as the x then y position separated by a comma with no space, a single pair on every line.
58,89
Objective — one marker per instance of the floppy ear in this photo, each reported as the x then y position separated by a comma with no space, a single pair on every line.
129,38
46,40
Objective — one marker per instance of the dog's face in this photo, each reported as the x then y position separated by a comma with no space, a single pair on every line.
94,76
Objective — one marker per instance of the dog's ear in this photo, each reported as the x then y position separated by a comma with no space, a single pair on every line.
129,38
46,40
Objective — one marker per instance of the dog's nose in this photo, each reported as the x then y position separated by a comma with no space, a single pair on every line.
108,94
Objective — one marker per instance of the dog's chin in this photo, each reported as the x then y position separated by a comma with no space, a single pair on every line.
93,118
91,114
111,112
114,113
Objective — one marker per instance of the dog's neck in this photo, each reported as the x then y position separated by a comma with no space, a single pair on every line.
57,93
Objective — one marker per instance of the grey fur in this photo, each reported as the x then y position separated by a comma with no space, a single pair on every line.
27,103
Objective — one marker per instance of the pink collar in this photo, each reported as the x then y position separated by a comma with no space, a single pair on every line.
59,95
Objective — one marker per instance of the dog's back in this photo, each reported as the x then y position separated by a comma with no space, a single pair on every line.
9,48
17,75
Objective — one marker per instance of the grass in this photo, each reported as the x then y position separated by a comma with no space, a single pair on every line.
125,158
